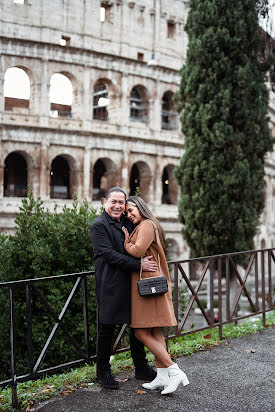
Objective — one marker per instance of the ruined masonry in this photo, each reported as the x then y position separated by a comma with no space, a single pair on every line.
116,66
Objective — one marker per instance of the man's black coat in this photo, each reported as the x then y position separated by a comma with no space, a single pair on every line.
113,269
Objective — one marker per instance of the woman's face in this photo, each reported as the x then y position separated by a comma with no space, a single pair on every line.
133,214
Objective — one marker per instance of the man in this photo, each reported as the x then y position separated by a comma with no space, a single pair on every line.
113,269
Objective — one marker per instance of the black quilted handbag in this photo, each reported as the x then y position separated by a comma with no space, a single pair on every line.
153,286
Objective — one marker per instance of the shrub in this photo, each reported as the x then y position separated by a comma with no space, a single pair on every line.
46,244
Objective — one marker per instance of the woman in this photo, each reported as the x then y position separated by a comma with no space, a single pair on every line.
150,313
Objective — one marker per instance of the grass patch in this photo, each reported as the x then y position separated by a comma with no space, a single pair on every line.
65,383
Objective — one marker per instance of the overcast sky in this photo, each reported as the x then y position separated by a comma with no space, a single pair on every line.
269,24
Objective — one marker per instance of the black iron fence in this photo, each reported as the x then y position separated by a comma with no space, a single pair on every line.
254,283
32,291
213,279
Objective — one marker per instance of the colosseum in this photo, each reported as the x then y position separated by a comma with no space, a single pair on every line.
86,103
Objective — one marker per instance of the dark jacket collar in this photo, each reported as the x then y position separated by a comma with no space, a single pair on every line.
111,219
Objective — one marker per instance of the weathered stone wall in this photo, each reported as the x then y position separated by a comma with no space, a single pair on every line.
116,52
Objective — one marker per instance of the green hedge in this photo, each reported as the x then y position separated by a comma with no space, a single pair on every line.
46,244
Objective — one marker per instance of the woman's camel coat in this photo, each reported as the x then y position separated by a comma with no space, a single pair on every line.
153,311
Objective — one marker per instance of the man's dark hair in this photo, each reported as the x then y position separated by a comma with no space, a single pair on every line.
114,189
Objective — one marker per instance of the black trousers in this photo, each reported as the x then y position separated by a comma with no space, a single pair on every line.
105,340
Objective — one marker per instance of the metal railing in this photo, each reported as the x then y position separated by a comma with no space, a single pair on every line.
31,290
259,273
213,271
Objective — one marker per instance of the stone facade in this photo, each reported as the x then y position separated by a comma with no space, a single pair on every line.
85,148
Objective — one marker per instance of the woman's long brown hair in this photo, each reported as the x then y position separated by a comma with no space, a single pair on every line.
146,213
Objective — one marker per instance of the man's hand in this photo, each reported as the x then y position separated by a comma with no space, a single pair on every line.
148,265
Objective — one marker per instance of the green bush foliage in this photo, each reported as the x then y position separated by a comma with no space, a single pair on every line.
223,100
46,244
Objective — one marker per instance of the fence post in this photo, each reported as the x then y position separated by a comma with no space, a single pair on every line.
176,295
210,292
220,295
12,342
256,282
263,286
85,316
269,281
29,326
227,289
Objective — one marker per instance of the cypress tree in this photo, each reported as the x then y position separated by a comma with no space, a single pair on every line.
223,100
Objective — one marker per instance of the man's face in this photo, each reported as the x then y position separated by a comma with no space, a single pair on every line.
115,205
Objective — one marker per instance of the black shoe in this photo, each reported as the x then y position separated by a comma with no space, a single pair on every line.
106,379
145,373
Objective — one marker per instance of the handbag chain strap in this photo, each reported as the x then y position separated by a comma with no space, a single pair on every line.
140,272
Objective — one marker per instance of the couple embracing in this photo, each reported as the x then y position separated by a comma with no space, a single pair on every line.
128,240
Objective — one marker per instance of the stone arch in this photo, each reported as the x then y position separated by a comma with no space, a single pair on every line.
139,104
104,177
62,98
100,100
169,116
173,250
17,89
76,88
63,177
112,86
169,186
16,174
140,177
263,244
109,94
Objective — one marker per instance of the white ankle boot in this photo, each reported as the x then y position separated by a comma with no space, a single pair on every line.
162,379
176,376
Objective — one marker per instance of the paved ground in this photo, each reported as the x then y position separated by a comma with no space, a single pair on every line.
226,378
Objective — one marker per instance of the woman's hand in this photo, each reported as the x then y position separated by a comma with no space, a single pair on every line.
126,233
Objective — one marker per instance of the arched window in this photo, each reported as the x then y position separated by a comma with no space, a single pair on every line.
100,102
16,90
134,180
60,178
169,186
104,177
138,105
99,180
15,176
140,178
61,96
169,116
